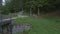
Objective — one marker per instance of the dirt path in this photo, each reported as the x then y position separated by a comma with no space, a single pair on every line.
19,16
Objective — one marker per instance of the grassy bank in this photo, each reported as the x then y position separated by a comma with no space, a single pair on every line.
41,25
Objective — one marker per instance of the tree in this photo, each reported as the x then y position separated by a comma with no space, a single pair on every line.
0,5
38,4
30,4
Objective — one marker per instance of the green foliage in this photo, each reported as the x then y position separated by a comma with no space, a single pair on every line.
31,4
6,8
16,5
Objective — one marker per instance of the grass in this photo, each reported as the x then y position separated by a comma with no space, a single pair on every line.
42,25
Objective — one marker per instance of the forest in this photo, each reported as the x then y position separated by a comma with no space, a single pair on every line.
34,6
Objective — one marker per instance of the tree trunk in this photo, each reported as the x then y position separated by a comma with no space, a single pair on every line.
30,12
38,11
22,11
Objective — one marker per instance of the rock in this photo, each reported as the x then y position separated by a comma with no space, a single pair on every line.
21,28
25,26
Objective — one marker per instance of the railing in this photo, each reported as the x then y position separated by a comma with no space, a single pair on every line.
5,20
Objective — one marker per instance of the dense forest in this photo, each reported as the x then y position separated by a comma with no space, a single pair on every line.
30,5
